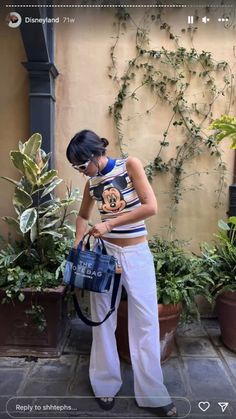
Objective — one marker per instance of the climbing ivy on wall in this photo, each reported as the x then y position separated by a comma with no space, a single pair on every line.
169,74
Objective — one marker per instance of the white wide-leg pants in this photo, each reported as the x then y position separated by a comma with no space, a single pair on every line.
138,278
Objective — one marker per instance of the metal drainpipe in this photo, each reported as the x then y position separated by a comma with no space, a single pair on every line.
232,193
38,43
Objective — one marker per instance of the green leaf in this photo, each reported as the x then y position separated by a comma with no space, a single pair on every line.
21,297
51,233
37,190
44,210
73,212
25,184
33,145
45,160
33,233
10,180
21,146
52,211
28,219
47,206
9,256
52,186
166,300
50,224
223,225
48,177
233,145
66,202
17,159
227,128
70,227
232,220
22,198
12,222
31,170
75,194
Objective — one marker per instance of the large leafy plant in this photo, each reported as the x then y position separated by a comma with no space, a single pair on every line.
219,260
176,276
42,227
225,127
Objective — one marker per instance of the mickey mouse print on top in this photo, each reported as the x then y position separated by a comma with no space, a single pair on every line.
113,190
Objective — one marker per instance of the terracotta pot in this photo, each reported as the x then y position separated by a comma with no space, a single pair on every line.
168,320
226,312
169,316
20,336
122,331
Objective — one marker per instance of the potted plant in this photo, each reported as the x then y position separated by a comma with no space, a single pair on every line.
33,309
177,286
219,262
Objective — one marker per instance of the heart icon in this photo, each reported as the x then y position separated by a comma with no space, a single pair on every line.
204,406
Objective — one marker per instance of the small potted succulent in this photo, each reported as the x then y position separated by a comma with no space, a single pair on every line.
33,301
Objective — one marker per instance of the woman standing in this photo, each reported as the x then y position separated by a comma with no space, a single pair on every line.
124,199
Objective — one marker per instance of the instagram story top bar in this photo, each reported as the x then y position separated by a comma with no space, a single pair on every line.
97,5
119,4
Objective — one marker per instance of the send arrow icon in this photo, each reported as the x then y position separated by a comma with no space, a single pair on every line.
223,405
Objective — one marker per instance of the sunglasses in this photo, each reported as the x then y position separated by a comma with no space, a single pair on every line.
82,166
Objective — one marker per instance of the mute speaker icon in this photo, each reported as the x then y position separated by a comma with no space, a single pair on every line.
205,19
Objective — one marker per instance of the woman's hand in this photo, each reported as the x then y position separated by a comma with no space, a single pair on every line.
99,229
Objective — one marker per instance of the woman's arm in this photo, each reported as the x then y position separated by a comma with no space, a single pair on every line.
84,215
144,191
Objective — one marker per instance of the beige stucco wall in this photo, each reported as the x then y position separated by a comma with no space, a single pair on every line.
14,110
84,93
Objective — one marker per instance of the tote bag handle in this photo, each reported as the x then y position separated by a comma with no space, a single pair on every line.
101,248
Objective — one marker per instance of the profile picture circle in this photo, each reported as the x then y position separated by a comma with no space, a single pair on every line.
13,20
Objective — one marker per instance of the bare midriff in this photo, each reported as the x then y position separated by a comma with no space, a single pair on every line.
126,241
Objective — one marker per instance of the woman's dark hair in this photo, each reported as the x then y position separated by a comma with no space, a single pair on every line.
84,144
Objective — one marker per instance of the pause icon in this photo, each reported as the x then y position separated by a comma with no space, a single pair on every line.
190,19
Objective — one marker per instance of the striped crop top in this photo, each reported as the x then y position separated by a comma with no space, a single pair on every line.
114,192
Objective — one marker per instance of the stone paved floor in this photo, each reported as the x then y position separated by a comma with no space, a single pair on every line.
200,370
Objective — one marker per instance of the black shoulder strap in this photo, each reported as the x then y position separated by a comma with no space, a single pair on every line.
112,308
